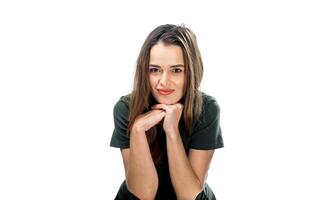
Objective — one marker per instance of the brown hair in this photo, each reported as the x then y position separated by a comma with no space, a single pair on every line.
141,94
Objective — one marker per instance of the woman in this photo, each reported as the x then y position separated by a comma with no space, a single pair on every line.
167,129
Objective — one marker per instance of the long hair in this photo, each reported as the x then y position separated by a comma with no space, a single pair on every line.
141,93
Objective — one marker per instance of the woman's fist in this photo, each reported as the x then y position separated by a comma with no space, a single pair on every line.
147,120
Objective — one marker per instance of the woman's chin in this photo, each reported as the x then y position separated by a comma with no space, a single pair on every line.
167,101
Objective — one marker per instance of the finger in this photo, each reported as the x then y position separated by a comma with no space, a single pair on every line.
160,116
180,106
158,112
160,106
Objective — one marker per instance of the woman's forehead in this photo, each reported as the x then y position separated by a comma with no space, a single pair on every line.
167,55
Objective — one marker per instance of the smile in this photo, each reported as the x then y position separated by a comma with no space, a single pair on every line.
165,92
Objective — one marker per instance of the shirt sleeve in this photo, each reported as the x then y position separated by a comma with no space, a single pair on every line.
207,132
119,137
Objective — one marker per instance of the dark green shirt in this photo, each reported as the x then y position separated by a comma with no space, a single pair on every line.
206,134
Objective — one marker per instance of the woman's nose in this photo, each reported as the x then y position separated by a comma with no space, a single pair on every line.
164,79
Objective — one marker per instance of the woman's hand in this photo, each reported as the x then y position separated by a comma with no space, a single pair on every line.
147,120
172,116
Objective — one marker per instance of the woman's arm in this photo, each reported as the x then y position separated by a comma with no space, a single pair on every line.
141,175
187,175
140,171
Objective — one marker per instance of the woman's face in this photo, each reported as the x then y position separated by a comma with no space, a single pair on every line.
166,73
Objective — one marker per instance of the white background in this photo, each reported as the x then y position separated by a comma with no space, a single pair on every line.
64,64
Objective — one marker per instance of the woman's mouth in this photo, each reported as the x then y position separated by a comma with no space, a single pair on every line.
165,92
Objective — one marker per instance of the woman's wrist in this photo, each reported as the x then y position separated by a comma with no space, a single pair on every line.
136,130
172,133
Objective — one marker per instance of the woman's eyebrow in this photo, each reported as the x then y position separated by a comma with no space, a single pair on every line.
177,65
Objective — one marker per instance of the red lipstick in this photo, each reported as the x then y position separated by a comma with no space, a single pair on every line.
165,92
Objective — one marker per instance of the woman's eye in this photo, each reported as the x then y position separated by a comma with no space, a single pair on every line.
153,70
177,70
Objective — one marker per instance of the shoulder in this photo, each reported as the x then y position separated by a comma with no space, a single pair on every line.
122,105
210,105
123,101
210,111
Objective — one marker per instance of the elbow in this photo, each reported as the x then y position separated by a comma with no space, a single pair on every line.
145,197
143,193
202,185
200,190
193,193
